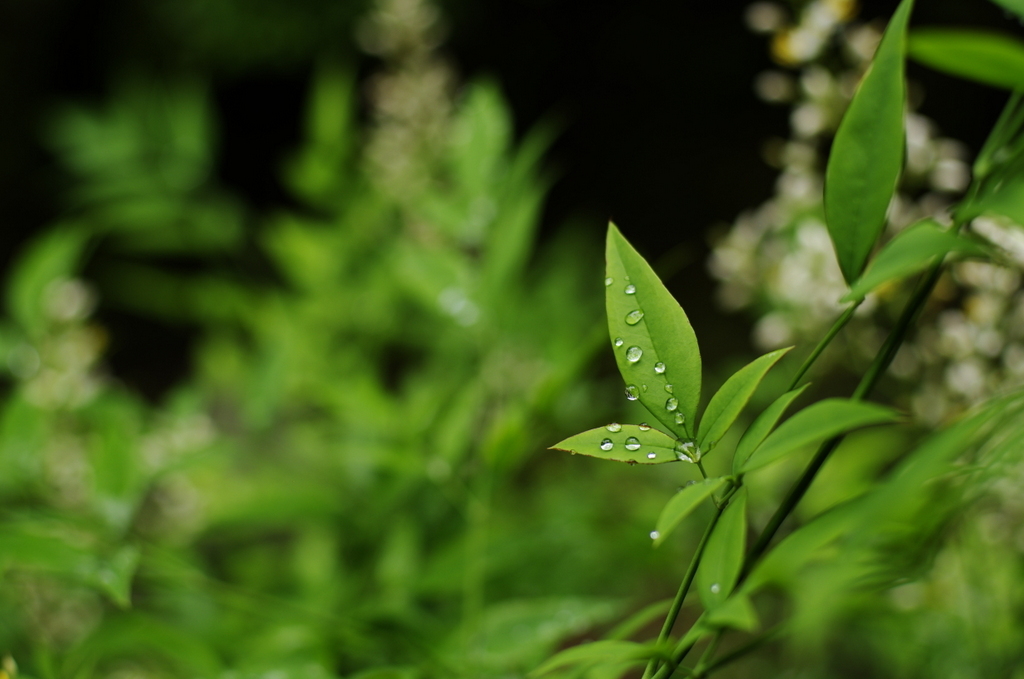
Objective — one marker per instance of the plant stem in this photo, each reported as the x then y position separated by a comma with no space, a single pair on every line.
684,587
825,341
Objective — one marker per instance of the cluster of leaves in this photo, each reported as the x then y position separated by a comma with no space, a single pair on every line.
886,534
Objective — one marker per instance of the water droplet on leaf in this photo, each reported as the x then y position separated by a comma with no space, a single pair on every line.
608,281
655,535
630,289
651,456
632,443
680,418
633,354
632,393
671,404
607,444
669,388
614,426
634,317
618,342
644,426
715,588
659,367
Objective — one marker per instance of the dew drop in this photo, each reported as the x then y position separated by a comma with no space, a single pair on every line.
614,426
715,588
618,342
607,282
680,418
669,388
659,367
651,456
607,444
685,451
643,387
671,404
630,289
634,317
632,393
644,426
633,354
655,535
632,443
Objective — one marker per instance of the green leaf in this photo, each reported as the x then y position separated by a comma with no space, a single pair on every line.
867,153
639,620
732,397
1006,198
54,256
682,504
911,251
983,56
650,333
784,562
1015,6
616,442
814,424
609,651
761,426
723,556
737,612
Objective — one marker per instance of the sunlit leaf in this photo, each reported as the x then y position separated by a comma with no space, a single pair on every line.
682,504
983,56
816,423
762,426
723,556
655,346
911,251
732,397
867,153
630,443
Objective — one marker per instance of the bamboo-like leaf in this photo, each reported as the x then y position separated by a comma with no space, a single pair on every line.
732,397
1006,199
655,346
723,556
762,426
786,560
630,443
639,620
814,424
737,612
986,57
867,153
608,651
911,251
682,504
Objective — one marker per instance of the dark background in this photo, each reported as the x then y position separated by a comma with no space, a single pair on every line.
661,129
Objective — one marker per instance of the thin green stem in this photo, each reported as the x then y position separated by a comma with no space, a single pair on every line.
684,588
825,341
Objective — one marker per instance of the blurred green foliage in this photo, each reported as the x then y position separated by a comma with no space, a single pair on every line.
351,481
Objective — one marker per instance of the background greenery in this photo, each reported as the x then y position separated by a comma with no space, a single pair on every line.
293,321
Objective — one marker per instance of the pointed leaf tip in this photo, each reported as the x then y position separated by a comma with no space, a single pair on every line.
654,344
867,152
